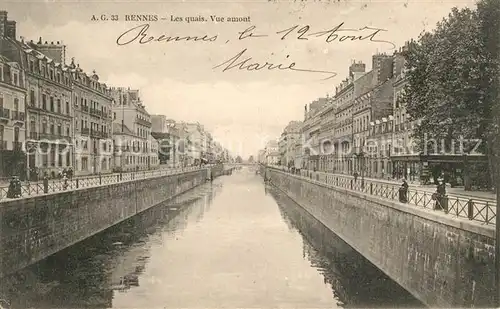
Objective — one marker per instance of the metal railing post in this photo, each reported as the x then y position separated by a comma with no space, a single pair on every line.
470,209
45,185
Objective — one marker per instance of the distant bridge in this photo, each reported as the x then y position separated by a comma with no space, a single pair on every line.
229,165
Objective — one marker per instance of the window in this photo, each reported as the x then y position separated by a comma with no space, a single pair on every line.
59,106
67,132
15,79
1,133
68,159
52,129
32,98
67,108
114,116
59,130
44,101
32,126
44,127
52,156
51,104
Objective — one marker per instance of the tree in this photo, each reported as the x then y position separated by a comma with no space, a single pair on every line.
250,159
239,160
450,82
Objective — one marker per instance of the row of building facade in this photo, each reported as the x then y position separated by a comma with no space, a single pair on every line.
54,115
364,128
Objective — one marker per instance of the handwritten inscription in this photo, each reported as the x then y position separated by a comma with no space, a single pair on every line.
241,61
248,64
140,35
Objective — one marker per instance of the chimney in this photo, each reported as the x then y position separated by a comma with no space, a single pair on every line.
3,23
7,27
10,29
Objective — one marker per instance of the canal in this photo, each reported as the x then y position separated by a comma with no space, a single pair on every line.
232,243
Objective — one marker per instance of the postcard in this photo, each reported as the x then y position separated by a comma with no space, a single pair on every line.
249,154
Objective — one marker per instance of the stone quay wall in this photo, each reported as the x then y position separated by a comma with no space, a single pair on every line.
442,260
34,228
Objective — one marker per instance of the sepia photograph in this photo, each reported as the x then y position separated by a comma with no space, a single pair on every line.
249,154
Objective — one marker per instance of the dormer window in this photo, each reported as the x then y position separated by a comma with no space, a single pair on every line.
15,78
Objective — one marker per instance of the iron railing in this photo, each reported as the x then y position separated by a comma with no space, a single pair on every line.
476,209
29,189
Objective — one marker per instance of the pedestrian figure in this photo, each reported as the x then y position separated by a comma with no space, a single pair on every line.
355,176
18,187
403,192
65,182
11,192
70,172
440,193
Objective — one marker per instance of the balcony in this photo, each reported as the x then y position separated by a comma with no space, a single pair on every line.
5,114
52,136
99,134
96,112
17,116
86,131
85,108
33,135
143,122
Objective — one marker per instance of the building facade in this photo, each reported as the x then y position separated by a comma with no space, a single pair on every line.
272,153
167,135
12,118
310,131
49,113
129,112
92,122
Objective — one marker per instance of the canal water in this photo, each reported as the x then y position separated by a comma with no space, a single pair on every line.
232,243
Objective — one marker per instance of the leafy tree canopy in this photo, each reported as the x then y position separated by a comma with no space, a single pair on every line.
451,78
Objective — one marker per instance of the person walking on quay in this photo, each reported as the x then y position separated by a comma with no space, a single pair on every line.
403,192
18,187
65,181
14,190
355,176
440,193
11,191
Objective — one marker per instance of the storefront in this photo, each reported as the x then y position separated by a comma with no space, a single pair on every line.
455,169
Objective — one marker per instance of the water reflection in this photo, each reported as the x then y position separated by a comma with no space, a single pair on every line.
245,249
89,273
355,282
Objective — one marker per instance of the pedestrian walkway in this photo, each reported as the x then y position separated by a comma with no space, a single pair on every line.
456,191
457,202
29,189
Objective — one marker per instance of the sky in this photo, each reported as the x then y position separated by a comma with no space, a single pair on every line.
186,81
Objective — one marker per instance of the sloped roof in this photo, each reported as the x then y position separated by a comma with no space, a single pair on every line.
119,129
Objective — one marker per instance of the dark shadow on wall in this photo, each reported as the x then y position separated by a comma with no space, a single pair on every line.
354,280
